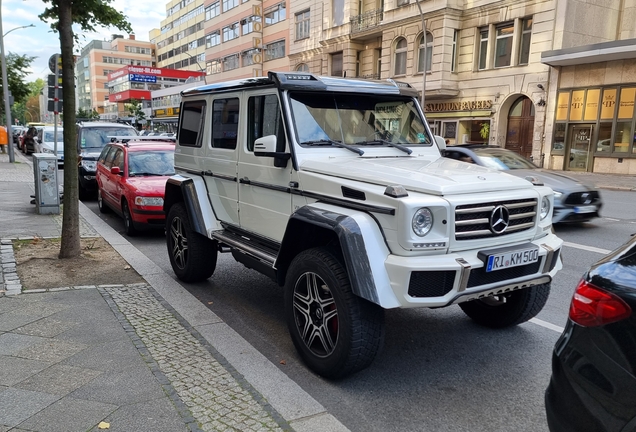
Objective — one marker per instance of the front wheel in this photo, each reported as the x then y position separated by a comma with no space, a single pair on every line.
129,224
335,332
508,309
103,207
192,256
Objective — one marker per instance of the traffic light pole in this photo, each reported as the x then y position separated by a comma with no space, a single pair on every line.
55,104
5,89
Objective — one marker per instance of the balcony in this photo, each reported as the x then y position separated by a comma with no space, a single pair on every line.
366,21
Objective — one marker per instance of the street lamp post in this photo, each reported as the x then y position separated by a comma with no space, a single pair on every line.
425,57
196,59
5,84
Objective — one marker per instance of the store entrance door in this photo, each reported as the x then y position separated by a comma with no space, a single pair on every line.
579,147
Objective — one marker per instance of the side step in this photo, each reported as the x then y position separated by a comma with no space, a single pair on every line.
246,245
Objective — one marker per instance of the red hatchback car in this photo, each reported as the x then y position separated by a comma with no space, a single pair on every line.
131,180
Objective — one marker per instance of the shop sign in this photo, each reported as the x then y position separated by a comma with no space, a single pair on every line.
168,112
626,106
608,104
576,105
459,106
591,104
142,78
562,106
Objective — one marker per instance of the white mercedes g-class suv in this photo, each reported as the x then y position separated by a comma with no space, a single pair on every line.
337,190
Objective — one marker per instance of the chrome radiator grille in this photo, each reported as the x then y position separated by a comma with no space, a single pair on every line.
474,221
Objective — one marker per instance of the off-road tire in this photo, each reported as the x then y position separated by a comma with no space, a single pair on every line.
129,223
509,309
192,256
358,325
103,207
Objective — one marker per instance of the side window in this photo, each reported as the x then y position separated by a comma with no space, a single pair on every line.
265,119
118,159
102,155
108,162
225,117
191,123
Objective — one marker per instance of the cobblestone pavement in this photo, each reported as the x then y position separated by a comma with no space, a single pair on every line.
216,395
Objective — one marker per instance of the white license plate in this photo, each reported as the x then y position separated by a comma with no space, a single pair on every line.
585,209
512,259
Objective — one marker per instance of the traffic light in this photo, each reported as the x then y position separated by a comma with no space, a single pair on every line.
54,93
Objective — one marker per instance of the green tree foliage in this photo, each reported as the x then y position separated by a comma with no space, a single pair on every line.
136,111
87,15
86,114
17,70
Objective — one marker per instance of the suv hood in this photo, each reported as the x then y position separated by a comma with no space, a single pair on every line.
90,154
438,177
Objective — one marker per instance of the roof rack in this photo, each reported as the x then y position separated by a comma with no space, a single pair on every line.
125,139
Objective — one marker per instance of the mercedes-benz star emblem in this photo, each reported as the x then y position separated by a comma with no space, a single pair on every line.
499,219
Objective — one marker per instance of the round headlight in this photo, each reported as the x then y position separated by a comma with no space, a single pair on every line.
545,207
422,222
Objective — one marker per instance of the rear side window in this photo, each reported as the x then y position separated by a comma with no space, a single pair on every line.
108,162
191,123
265,119
225,123
102,156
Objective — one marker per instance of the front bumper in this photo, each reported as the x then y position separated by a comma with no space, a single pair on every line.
438,281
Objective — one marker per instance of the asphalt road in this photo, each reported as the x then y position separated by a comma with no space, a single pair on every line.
438,370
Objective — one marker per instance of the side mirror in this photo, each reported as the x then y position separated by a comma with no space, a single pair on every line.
266,147
441,143
115,170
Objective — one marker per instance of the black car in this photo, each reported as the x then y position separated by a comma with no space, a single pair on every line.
91,139
593,385
573,201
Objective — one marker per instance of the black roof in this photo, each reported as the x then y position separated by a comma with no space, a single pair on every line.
309,82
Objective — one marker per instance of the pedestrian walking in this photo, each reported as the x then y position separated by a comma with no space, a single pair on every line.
4,139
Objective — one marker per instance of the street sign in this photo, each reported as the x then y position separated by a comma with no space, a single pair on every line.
55,59
54,106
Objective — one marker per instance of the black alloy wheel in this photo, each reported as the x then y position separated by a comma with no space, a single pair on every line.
192,256
335,332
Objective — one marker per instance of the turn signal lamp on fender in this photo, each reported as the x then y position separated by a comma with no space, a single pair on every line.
592,307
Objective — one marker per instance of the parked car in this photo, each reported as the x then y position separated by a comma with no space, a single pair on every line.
573,201
15,132
47,140
593,384
91,139
131,179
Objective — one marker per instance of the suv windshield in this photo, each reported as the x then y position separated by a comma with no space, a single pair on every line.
97,137
357,119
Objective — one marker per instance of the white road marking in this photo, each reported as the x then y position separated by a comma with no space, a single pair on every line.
587,248
611,219
547,325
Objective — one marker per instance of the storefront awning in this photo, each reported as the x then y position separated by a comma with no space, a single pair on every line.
600,52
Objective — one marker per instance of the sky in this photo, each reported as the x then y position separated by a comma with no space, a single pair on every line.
41,42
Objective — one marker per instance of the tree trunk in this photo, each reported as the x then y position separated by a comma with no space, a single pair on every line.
70,244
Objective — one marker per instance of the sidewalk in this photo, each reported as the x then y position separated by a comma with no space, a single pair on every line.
142,357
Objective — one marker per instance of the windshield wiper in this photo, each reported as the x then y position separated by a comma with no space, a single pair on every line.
144,174
389,143
333,143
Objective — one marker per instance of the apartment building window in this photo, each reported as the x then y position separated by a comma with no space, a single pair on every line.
336,64
230,32
454,51
524,45
247,57
213,67
230,62
503,44
400,57
275,14
302,67
429,53
213,10
247,24
275,50
213,39
483,48
302,25
229,4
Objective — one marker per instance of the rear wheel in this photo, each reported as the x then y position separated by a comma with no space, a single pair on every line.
192,256
335,332
508,309
129,224
103,207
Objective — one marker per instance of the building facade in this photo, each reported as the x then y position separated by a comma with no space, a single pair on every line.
98,59
181,39
592,88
